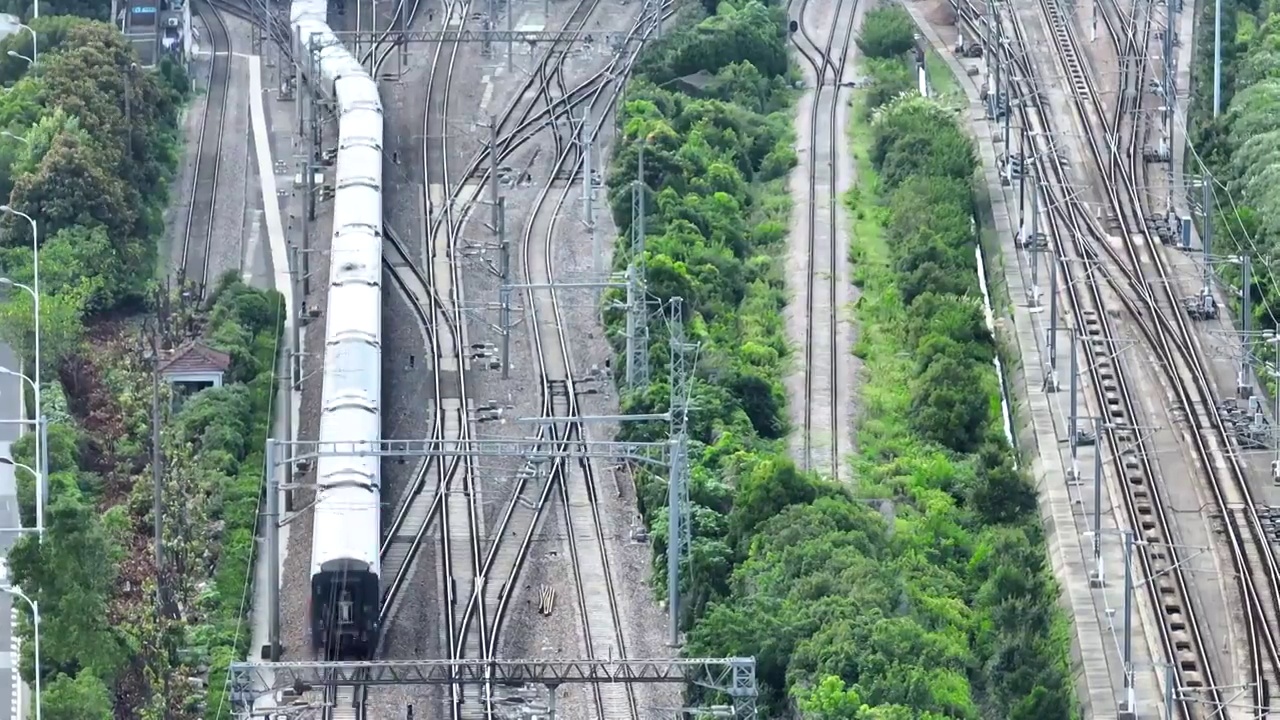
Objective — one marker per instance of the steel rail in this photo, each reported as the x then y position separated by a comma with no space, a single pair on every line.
402,544
577,20
1168,589
461,511
512,566
255,12
343,702
413,518
500,551
496,565
1251,556
415,513
560,400
415,509
821,60
197,244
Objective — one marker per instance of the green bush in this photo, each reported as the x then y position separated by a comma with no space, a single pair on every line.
95,179
213,472
949,611
887,32
221,431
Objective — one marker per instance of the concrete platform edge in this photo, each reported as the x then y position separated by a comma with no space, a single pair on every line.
287,400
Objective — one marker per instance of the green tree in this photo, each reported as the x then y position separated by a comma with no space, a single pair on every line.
92,9
948,406
889,79
73,187
61,326
83,697
887,32
71,574
829,700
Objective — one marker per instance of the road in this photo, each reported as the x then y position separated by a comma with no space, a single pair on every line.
10,408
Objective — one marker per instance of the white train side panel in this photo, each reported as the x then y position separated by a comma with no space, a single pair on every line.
345,568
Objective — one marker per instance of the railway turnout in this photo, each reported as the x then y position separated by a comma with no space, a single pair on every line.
1116,286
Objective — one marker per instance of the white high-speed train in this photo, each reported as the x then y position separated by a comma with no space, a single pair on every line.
345,566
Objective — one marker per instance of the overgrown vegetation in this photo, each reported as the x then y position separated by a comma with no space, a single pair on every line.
93,575
947,612
1241,147
96,146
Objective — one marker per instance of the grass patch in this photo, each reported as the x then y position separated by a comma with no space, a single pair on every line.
943,81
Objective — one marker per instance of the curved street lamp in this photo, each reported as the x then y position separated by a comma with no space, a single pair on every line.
20,56
35,50
35,298
20,466
35,619
41,449
11,136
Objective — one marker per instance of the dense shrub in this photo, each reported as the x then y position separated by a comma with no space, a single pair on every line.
94,177
948,612
213,472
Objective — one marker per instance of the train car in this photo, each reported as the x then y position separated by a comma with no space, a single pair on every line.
346,537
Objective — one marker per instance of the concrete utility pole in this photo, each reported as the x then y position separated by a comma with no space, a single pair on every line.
1244,387
273,523
504,293
511,52
1170,82
1206,236
157,472
637,290
1032,240
1128,622
1023,145
986,41
1073,414
1099,576
493,170
589,192
297,279
679,522
1217,57
1052,339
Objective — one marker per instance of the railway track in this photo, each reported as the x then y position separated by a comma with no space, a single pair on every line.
826,270
198,239
343,702
255,11
1124,261
520,518
504,560
586,536
461,512
430,294
434,293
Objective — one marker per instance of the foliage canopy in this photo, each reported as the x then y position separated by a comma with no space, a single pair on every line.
947,611
98,149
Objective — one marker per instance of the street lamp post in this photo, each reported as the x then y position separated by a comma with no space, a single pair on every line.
11,136
42,449
35,620
35,295
16,54
35,46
